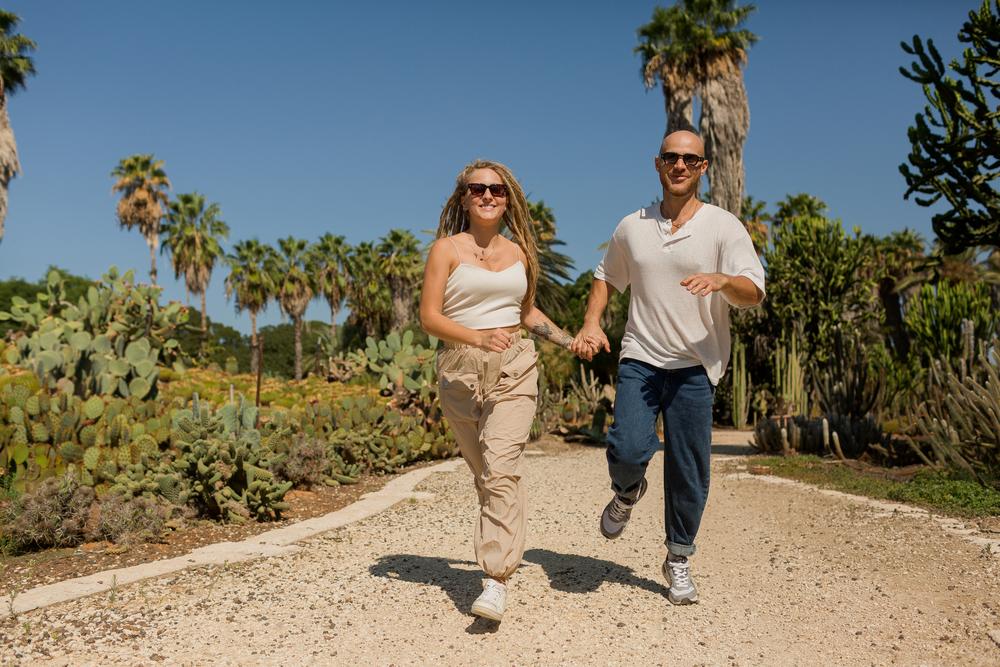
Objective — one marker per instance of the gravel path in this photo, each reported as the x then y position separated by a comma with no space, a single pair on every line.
786,576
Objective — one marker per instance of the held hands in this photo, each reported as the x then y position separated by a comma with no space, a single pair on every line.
589,342
703,284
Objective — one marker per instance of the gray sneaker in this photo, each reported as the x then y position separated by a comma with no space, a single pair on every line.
678,574
616,514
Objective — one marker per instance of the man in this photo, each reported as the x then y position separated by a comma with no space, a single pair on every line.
686,262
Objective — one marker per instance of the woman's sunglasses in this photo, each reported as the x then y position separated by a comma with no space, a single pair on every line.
479,189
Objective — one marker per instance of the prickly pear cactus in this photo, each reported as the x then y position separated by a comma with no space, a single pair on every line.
43,435
223,456
109,342
402,366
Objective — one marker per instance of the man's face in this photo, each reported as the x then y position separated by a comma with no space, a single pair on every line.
680,179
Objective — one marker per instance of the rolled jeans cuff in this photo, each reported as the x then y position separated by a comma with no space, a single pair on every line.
680,549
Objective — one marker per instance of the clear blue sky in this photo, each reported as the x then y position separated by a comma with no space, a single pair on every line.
307,117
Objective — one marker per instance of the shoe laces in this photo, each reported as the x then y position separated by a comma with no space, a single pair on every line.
620,509
493,592
680,573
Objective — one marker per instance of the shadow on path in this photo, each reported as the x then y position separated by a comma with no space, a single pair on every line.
570,573
573,573
461,585
734,450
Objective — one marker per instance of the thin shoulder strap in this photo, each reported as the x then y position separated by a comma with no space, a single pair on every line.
455,246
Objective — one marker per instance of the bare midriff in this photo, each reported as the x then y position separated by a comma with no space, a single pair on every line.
511,329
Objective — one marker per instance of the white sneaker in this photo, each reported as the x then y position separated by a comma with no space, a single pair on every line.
492,602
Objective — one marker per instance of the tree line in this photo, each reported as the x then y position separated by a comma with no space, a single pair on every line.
377,281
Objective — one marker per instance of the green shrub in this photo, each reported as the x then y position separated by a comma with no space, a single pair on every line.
818,275
935,314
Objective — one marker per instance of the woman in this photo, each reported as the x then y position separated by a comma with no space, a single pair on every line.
478,291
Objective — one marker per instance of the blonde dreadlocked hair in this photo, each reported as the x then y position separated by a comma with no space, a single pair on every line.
455,219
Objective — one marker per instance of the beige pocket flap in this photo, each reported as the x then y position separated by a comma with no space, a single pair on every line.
520,365
458,380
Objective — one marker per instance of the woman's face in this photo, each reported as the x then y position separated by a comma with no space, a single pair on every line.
485,205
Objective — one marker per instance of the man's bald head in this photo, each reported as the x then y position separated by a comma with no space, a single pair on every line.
681,163
683,141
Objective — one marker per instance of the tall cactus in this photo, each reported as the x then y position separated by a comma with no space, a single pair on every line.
848,384
789,378
958,423
741,385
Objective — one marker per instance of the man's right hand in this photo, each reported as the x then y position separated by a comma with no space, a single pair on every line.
589,341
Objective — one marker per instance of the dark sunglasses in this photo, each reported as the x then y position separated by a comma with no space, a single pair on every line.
690,159
479,189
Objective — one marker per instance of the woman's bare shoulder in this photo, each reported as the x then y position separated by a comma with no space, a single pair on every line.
444,253
518,252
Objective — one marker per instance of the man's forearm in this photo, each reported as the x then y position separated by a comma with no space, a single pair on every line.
741,291
597,302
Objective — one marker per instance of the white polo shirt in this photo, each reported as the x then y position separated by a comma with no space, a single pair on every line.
668,326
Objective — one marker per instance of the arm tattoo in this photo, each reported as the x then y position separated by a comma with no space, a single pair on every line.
554,334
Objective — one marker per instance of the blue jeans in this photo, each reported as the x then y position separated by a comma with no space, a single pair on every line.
685,397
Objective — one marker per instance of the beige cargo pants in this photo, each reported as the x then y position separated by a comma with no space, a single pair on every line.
489,400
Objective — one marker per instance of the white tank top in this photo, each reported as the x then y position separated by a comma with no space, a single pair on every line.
482,299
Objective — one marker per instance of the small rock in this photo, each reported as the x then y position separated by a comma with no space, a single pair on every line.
995,636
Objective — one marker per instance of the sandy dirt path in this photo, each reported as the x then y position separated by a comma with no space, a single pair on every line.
786,575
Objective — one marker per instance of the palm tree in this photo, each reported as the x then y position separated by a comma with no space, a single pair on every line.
294,287
143,185
665,50
192,237
554,266
402,263
698,47
251,282
368,296
329,259
15,68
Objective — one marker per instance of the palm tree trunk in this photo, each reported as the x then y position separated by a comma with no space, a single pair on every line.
153,241
725,120
204,321
400,305
9,164
253,343
298,348
333,327
680,110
